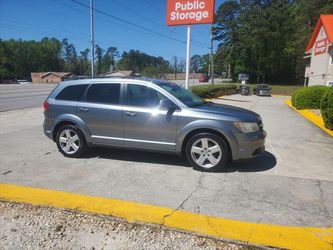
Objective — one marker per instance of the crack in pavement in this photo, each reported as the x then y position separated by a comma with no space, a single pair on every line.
184,201
321,209
321,194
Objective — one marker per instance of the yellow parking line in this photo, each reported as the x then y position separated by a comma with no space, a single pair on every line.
312,117
281,95
252,233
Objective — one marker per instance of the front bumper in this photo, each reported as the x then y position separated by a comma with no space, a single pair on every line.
250,145
264,93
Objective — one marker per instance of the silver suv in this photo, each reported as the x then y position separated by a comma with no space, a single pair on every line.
150,115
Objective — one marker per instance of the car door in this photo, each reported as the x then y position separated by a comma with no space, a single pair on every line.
101,110
145,124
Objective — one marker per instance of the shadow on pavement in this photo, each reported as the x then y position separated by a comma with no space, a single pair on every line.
136,156
261,163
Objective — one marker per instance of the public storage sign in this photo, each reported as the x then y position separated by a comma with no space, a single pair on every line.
320,47
185,12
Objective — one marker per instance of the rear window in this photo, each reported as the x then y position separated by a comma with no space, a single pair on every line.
107,93
72,93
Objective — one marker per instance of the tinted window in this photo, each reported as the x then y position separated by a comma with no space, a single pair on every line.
104,93
72,93
143,96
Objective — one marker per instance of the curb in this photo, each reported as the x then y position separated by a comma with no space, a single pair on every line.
281,95
312,117
252,233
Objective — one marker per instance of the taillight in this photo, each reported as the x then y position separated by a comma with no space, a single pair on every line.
46,105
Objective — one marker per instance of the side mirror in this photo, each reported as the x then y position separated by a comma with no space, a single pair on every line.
166,104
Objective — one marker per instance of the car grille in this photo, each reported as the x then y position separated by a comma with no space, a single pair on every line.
264,92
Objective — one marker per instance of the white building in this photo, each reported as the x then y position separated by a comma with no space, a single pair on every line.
319,54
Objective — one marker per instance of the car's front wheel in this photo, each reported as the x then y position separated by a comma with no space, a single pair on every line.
207,152
71,141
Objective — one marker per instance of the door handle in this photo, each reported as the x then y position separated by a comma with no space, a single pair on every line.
84,109
131,114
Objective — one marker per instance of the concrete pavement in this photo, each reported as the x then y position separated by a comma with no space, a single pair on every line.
291,184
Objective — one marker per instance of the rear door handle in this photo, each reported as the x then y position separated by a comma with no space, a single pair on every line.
131,114
84,109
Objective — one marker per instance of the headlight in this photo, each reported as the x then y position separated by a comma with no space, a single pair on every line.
247,127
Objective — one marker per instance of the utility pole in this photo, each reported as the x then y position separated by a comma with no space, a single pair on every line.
92,38
211,54
229,71
175,67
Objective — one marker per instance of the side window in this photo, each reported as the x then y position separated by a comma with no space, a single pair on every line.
72,93
108,93
143,96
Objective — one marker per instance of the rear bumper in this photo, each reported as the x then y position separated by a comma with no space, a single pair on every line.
250,145
47,130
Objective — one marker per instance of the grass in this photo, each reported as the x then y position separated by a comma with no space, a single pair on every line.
284,89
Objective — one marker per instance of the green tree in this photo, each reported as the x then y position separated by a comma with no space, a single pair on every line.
19,58
109,59
84,64
136,61
70,57
196,63
99,55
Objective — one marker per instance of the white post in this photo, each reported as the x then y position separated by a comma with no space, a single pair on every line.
188,47
211,55
92,38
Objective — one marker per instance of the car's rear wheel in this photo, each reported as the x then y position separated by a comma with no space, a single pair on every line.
71,141
207,152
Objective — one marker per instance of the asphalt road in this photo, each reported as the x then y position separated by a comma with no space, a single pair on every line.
290,184
17,96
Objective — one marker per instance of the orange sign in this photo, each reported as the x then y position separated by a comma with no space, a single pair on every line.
184,12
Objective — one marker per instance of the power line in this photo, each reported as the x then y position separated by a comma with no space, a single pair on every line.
153,7
154,23
135,25
100,18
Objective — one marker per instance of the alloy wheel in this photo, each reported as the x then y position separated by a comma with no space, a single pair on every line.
206,152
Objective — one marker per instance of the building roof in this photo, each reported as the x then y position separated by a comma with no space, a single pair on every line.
327,22
59,74
44,74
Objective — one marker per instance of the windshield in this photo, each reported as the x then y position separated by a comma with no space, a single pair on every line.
185,96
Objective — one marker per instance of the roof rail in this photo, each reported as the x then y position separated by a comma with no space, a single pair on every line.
93,77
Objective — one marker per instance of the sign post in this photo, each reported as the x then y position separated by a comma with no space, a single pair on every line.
187,12
188,52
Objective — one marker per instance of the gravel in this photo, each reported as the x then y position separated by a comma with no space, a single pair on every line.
26,226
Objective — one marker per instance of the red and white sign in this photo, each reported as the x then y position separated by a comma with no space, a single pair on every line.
320,46
184,12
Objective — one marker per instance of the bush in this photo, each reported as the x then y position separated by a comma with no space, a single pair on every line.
326,108
309,97
293,96
212,91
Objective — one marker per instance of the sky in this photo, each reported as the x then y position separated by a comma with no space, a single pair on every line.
36,19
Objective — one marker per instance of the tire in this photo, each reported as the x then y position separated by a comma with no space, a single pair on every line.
207,152
70,141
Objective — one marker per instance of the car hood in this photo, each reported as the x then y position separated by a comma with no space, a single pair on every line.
227,110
